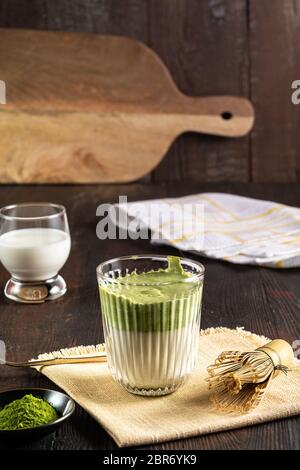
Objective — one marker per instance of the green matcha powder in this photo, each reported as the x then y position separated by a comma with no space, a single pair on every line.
27,412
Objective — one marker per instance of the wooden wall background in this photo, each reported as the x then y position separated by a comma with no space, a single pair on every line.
242,47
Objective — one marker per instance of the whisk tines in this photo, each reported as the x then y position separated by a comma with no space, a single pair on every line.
239,380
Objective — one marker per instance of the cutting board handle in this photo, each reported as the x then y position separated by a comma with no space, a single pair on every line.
228,116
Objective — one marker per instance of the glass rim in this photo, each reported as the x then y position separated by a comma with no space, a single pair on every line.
103,276
62,210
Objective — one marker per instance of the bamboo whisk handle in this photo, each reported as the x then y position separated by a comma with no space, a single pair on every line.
280,352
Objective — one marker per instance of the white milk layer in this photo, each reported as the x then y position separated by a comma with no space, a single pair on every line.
34,254
152,360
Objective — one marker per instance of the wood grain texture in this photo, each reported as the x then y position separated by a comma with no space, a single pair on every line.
204,45
275,63
183,36
88,108
265,301
245,47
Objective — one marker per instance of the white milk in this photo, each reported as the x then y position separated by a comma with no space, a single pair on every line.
152,360
34,254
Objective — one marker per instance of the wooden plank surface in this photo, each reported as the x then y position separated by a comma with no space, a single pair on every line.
262,300
274,37
98,108
204,43
242,47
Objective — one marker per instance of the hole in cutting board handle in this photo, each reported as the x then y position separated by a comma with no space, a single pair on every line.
227,115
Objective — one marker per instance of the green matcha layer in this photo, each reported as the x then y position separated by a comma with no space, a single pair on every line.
163,300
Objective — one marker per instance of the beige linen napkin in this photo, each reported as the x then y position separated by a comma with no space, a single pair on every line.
134,420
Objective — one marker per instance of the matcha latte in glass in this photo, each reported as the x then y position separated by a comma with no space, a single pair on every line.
151,316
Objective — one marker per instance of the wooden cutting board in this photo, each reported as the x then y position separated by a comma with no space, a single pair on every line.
87,108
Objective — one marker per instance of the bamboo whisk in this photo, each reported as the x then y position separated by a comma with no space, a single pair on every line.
238,380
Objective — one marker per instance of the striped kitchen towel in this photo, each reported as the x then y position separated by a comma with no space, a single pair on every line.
223,226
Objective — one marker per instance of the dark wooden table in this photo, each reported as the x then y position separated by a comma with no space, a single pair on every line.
262,300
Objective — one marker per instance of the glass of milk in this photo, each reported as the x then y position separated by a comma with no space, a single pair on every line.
151,319
34,245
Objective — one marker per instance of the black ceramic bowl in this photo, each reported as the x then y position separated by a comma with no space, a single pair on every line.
63,405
